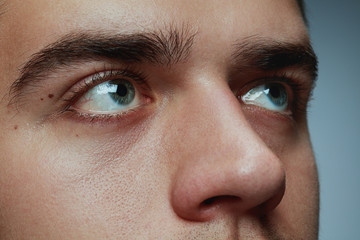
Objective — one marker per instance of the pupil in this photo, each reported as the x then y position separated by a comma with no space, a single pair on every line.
122,90
275,92
124,93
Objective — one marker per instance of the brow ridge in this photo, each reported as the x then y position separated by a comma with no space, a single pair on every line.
270,55
166,47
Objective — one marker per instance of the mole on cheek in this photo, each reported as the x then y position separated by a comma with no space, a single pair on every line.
51,95
41,99
15,127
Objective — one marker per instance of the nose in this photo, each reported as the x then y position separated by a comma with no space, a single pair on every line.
224,167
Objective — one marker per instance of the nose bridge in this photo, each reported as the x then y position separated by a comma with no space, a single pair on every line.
212,115
224,167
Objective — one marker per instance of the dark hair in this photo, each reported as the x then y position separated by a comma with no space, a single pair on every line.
302,9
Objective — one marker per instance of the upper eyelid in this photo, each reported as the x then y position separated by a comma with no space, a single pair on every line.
275,78
81,87
106,75
64,78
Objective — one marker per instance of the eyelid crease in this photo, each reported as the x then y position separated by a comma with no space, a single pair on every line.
106,75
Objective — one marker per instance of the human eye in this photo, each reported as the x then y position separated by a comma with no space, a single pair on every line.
108,94
271,96
109,97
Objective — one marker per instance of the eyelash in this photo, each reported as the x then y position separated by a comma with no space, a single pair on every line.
135,76
296,91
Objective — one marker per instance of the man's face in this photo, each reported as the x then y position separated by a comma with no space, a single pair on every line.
155,120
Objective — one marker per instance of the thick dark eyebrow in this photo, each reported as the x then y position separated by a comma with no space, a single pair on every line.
163,47
271,55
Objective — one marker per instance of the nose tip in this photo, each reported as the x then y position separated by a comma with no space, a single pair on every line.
205,192
223,167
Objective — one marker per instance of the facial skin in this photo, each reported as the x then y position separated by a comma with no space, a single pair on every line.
189,157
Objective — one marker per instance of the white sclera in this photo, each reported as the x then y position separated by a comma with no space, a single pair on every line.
99,100
261,96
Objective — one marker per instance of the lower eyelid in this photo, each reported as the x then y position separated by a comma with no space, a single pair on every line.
102,120
262,114
144,100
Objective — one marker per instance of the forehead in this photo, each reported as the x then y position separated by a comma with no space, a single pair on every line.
225,19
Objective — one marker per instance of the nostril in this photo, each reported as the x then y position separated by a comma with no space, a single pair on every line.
209,201
219,200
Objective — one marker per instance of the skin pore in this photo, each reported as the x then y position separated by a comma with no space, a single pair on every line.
188,146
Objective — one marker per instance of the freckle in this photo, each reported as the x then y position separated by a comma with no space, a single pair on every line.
51,95
16,127
77,135
41,99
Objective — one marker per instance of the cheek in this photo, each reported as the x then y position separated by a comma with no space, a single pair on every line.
279,132
290,142
78,184
122,189
300,205
29,193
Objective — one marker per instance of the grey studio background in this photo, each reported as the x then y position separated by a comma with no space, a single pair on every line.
334,115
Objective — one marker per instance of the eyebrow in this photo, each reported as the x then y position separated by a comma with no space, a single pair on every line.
271,55
163,47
